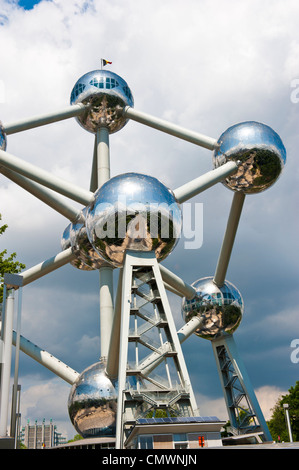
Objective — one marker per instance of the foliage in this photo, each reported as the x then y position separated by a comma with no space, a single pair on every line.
77,437
7,263
277,424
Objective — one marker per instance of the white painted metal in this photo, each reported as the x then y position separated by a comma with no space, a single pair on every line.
240,371
229,238
102,168
144,259
47,266
103,151
45,195
113,354
106,307
6,365
16,372
172,129
42,120
203,182
45,178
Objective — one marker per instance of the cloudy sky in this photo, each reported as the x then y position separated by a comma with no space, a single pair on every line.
202,64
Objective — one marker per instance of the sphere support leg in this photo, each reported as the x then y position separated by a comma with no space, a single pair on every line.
229,238
243,409
146,323
6,359
101,174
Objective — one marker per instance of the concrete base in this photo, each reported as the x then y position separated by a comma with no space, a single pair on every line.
7,443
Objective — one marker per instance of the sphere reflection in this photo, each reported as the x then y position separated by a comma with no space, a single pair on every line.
82,246
66,243
106,95
220,308
3,140
259,150
92,403
133,212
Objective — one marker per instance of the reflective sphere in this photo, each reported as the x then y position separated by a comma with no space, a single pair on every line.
107,94
259,150
220,308
133,212
80,243
92,403
3,141
78,262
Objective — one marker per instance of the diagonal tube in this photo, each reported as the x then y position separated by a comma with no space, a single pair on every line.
48,266
229,238
42,120
169,128
203,182
47,196
45,178
45,359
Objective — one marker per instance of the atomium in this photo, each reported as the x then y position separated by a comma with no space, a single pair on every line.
220,308
92,402
259,151
139,213
133,212
106,95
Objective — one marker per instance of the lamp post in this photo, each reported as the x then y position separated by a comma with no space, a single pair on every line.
286,410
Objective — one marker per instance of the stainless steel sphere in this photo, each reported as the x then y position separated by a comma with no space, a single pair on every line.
106,95
3,140
92,403
66,243
220,308
259,150
87,256
133,212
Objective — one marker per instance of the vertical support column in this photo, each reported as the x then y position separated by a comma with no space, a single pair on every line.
13,421
103,152
101,174
113,355
106,307
123,350
231,371
7,327
150,314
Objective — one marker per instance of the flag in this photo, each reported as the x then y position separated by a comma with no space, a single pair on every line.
105,62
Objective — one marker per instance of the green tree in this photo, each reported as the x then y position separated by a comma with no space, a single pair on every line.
7,263
277,423
77,437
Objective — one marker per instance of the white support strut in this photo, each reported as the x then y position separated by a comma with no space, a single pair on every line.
172,129
36,121
45,178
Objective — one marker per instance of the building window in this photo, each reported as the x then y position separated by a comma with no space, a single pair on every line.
180,441
79,87
102,82
145,442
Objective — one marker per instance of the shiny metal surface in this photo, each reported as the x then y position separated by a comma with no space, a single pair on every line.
92,403
82,246
106,95
221,309
66,243
259,150
133,212
3,141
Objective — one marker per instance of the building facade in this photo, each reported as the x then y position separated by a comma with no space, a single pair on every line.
175,433
41,436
